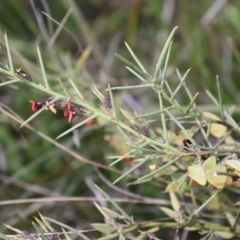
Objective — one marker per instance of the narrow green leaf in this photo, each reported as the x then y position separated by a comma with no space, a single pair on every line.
33,116
182,80
158,169
127,154
65,90
76,89
114,203
77,126
60,27
191,103
207,202
134,67
82,59
219,97
135,58
128,139
187,89
231,121
166,65
132,87
9,53
97,93
40,231
182,180
41,224
128,116
140,182
132,169
2,236
164,126
68,227
42,68
121,158
153,113
49,227
112,102
9,82
136,74
163,53
213,98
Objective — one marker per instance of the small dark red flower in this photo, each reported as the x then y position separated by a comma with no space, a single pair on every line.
35,105
70,114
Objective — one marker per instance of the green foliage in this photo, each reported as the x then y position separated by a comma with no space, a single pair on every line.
156,141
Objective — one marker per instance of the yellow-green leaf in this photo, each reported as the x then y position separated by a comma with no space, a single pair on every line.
13,229
65,234
235,164
107,212
103,227
127,115
174,201
217,130
217,181
229,181
209,163
224,235
172,214
230,218
172,187
193,183
196,173
178,137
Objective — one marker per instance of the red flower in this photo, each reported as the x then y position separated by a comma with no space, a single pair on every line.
35,105
70,114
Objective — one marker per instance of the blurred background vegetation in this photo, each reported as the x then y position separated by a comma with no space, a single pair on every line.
207,41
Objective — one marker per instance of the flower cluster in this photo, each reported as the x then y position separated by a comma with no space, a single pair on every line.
71,109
